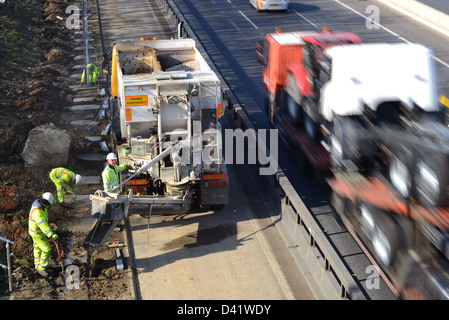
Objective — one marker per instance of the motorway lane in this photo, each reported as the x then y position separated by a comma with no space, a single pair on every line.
229,31
228,254
143,16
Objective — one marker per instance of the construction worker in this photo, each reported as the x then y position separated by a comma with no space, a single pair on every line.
111,172
64,179
93,74
105,63
40,231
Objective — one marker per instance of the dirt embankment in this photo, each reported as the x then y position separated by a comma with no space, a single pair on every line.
31,82
36,50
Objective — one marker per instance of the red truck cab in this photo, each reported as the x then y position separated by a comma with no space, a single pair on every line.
284,52
291,78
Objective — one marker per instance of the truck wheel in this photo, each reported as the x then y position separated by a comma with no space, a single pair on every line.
294,100
310,126
400,172
294,111
431,180
343,138
336,153
405,231
385,243
271,107
366,222
380,231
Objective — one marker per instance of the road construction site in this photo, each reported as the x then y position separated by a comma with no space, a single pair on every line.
277,238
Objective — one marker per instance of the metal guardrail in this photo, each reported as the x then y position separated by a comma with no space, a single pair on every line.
8,259
86,44
296,224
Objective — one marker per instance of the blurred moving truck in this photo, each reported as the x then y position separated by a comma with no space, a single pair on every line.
367,117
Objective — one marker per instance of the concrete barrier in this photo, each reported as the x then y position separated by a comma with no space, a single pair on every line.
429,16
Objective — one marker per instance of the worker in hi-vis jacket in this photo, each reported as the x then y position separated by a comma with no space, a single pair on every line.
111,172
40,232
93,74
64,179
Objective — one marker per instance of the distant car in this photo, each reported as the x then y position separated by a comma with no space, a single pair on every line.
262,5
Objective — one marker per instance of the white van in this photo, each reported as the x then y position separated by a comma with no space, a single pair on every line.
261,5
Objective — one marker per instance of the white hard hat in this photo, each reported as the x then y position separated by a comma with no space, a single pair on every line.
48,197
78,179
111,156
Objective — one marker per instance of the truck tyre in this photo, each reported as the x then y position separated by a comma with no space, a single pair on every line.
336,140
380,232
344,141
271,106
430,180
311,126
405,231
294,101
400,172
385,241
336,153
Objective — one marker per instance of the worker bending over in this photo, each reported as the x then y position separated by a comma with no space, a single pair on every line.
64,179
111,172
93,74
39,231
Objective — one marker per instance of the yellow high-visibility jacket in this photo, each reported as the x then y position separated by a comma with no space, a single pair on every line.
111,176
37,222
93,75
63,179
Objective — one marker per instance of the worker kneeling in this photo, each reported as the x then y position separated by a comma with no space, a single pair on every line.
111,172
40,231
64,179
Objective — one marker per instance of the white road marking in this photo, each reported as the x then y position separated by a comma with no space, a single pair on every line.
248,19
313,24
235,26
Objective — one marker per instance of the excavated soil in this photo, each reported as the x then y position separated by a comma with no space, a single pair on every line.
36,50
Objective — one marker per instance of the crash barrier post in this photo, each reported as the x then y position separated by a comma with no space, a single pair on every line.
86,44
8,259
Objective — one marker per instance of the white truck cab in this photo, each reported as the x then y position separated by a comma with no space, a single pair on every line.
370,75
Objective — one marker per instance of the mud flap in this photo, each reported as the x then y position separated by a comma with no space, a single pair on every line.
214,195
